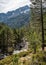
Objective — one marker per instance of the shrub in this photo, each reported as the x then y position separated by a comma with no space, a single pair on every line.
23,54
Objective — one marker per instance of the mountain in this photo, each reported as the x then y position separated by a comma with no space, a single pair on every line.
16,18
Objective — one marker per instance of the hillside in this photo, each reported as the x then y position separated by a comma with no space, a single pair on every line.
16,18
34,55
25,58
19,33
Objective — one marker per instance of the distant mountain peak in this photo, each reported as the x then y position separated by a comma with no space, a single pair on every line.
16,17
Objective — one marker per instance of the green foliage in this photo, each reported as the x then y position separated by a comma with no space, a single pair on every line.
35,59
13,59
13,37
6,37
39,59
9,38
32,36
18,35
23,54
6,60
16,57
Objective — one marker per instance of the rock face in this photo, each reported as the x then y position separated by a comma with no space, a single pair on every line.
16,18
25,44
22,45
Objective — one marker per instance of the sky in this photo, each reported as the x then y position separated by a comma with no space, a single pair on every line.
9,5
